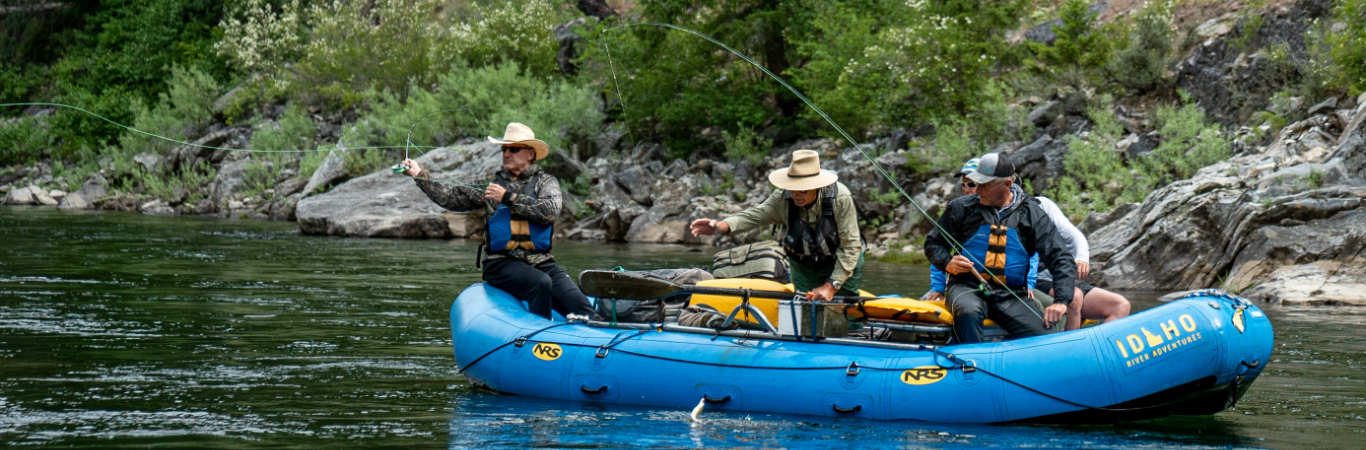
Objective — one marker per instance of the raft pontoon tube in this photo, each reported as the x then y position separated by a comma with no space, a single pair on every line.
1194,356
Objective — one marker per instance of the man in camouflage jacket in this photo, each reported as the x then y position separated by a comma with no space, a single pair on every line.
532,197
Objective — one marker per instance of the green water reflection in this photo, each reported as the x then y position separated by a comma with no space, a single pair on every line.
130,330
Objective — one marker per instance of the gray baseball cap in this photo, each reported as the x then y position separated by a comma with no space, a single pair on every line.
991,167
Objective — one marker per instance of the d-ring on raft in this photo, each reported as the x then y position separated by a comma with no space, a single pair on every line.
1194,356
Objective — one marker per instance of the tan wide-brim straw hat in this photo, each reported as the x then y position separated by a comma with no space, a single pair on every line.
803,174
521,134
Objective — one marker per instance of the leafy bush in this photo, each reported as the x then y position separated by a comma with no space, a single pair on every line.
24,140
1189,142
947,51
746,144
838,77
1142,62
481,102
181,112
1348,46
355,47
294,131
1095,177
1080,48
189,181
520,31
259,38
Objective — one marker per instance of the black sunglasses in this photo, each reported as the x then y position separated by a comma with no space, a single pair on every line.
969,185
509,148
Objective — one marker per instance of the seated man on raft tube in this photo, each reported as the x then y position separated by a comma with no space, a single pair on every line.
998,228
1088,302
823,245
521,202
939,281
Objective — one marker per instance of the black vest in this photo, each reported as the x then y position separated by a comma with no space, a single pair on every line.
808,246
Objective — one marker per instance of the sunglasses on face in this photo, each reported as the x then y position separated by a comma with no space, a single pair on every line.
969,185
512,149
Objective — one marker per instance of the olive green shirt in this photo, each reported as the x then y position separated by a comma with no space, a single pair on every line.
773,211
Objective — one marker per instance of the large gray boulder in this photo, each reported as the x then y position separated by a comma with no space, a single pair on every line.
331,171
231,180
95,187
1237,224
384,204
20,196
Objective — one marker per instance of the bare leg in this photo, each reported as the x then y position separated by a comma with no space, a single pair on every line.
1103,304
1074,311
1072,320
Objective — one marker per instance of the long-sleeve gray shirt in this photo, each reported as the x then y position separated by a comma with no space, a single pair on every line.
540,207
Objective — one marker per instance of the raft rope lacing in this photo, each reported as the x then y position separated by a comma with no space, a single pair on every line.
957,363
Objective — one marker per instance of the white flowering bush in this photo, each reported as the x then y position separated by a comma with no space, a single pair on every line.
521,31
259,38
947,51
354,47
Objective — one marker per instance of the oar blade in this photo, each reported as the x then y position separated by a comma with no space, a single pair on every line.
625,285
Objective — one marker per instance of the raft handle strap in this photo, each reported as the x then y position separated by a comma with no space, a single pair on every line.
1252,365
519,342
586,390
840,410
715,401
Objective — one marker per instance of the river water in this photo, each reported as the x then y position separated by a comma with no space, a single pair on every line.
122,330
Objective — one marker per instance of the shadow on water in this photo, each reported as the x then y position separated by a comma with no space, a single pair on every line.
123,330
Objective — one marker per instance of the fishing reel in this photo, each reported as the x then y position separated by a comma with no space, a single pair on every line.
400,168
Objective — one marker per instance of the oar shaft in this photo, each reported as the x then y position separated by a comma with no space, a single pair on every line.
734,292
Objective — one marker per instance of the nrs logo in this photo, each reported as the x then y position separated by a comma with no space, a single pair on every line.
920,376
546,351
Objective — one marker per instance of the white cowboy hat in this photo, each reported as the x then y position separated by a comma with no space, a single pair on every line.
803,174
521,134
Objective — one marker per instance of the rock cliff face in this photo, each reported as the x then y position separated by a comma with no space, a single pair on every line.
1281,222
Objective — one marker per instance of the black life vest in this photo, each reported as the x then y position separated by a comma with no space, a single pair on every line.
507,231
808,246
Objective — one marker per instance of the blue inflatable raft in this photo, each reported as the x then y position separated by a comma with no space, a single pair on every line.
1194,356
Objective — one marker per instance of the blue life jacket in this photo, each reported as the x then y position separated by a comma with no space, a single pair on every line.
997,252
508,231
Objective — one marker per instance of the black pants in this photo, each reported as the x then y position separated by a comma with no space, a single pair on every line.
544,286
969,306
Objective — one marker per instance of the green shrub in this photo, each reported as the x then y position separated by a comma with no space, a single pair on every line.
1080,49
482,101
1189,142
310,162
182,111
294,131
1348,46
517,31
1143,59
169,186
838,76
355,47
946,52
1095,178
746,145
25,140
